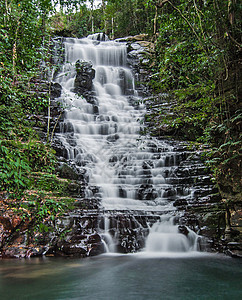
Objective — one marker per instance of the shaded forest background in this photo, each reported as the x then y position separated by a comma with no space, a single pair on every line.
196,61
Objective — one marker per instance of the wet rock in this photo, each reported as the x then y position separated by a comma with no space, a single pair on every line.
122,192
113,159
95,238
71,250
14,252
113,137
59,148
35,252
55,90
146,192
183,229
22,251
97,249
91,203
97,245
74,188
85,75
70,138
234,254
67,127
90,97
147,165
95,109
130,241
6,223
180,202
69,172
101,37
134,46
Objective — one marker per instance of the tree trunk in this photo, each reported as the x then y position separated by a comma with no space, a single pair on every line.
231,4
155,20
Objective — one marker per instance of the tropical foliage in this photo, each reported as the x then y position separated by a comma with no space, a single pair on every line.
198,61
24,63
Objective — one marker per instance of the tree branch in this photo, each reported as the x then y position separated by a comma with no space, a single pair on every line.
199,17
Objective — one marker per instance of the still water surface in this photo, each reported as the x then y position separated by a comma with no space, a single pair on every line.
122,277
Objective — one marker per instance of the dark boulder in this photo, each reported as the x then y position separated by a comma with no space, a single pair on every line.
69,172
97,245
183,230
71,249
84,76
180,202
55,90
146,192
94,238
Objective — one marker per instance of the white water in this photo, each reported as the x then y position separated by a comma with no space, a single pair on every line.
164,236
108,145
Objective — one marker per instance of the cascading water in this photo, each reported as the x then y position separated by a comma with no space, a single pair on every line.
132,175
164,236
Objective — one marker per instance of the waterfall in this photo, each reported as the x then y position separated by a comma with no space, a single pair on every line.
164,236
133,175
